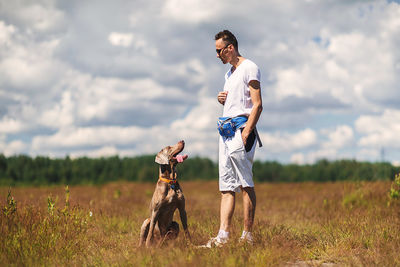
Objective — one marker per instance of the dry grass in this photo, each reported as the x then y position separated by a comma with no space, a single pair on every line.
346,224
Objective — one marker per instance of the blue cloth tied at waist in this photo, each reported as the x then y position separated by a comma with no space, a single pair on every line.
227,125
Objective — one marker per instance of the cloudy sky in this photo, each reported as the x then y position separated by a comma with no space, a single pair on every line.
100,78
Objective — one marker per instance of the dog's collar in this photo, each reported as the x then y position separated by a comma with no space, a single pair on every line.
170,181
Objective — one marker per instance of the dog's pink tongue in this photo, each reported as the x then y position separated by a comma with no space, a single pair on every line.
181,158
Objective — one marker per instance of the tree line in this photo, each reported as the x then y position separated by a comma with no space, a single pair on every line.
25,170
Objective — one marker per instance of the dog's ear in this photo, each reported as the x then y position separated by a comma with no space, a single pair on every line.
162,157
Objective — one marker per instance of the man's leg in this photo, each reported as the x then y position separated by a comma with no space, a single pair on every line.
226,213
249,207
228,183
227,209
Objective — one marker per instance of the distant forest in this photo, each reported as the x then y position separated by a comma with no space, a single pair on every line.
25,170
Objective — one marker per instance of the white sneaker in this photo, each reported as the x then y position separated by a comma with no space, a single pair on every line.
215,242
247,239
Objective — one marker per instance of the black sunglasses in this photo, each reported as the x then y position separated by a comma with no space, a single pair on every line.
220,50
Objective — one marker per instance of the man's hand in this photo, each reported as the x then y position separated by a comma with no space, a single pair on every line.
222,97
245,135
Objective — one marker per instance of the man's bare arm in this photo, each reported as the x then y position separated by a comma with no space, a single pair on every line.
255,94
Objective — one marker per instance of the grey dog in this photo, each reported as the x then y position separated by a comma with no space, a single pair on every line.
166,199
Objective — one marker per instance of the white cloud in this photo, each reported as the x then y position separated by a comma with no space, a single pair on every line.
28,65
6,32
192,69
329,153
61,115
35,18
11,126
297,158
368,154
342,136
121,39
141,80
41,18
13,148
341,70
199,129
105,151
200,118
396,163
379,130
191,11
139,43
98,98
284,142
88,136
289,84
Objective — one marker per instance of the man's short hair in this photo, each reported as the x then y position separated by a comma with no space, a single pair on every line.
228,38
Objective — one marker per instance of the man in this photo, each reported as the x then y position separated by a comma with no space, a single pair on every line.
241,97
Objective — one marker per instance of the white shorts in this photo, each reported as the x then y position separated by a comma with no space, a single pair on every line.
235,164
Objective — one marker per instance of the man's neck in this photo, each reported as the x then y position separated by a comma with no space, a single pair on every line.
236,61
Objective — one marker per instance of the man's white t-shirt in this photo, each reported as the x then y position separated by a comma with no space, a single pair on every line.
238,101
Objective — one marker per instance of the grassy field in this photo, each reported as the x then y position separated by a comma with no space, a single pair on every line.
318,224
